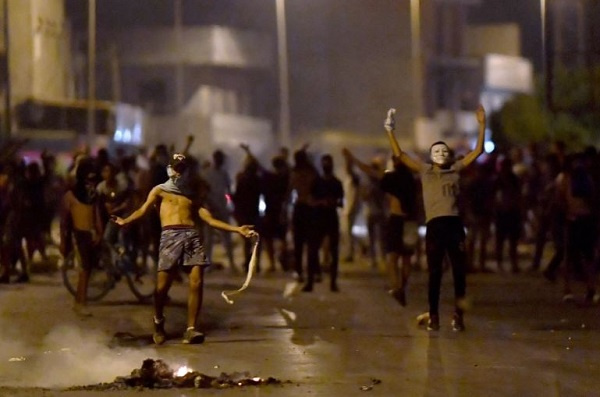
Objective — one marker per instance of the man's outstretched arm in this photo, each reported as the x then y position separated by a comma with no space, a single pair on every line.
244,230
364,167
390,126
472,156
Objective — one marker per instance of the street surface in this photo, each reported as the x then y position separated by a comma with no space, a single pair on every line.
521,340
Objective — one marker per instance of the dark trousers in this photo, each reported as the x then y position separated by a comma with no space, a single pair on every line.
327,226
580,247
558,238
445,236
301,228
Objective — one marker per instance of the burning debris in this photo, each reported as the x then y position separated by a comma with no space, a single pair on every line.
156,374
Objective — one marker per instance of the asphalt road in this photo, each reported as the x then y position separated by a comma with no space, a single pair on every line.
521,340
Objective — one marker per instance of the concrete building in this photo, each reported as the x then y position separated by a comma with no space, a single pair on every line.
36,49
211,82
349,61
216,76
42,104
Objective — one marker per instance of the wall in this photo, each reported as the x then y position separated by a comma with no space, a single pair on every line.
39,52
504,39
213,45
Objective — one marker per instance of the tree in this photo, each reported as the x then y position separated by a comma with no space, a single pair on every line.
573,114
520,122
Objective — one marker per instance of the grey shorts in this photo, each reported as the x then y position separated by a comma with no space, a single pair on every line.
180,246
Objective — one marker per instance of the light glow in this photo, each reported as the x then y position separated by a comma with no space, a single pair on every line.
182,371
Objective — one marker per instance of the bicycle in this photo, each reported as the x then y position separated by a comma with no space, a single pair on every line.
141,278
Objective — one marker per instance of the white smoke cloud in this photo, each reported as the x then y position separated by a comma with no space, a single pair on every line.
69,356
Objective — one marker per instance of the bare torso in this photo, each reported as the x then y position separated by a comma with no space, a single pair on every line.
81,214
395,206
175,209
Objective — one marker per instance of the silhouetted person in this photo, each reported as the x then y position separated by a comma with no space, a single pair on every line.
302,179
274,223
246,201
327,196
578,196
352,206
508,205
478,195
219,190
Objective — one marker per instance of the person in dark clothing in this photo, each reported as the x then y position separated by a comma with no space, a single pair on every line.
400,185
508,206
246,201
17,220
54,188
577,195
302,178
33,214
5,190
352,207
274,224
327,196
549,220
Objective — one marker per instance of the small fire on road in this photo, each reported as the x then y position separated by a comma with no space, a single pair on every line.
156,374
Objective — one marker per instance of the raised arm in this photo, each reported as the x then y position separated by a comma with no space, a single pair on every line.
244,230
364,167
246,148
472,156
188,145
140,212
390,126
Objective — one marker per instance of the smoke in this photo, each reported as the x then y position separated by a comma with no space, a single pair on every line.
69,356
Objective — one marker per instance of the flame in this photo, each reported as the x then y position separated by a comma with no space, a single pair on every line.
182,371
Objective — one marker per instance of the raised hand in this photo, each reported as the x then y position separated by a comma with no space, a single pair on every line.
346,153
390,123
480,114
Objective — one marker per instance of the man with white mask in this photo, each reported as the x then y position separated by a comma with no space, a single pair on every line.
445,230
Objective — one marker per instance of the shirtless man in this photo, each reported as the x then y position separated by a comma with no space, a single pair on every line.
399,186
80,218
180,243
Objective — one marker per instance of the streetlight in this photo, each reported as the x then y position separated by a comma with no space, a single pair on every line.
547,61
415,33
179,68
284,88
91,119
543,35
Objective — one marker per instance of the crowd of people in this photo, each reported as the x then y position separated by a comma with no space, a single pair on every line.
305,213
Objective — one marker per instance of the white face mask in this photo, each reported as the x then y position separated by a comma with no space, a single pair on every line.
440,154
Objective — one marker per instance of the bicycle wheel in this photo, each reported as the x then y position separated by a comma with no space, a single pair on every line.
141,279
100,282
